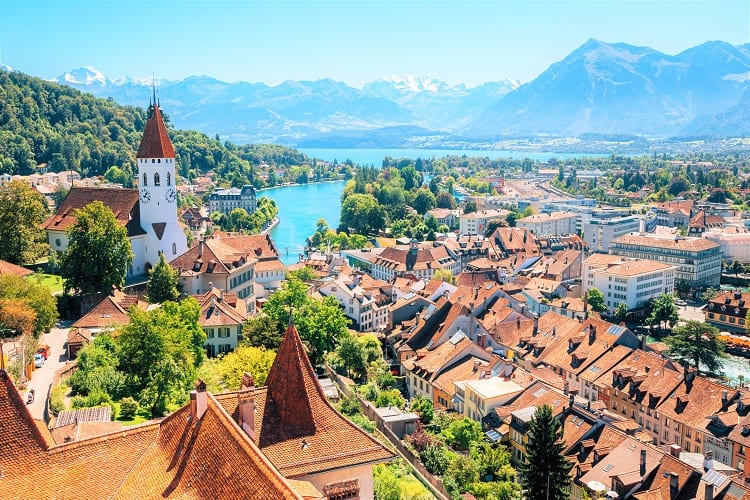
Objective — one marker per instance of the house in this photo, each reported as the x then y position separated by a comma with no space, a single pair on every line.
728,310
475,223
444,216
366,308
110,312
415,260
601,229
675,213
298,431
77,339
227,264
702,222
149,213
554,224
226,200
10,269
400,422
481,396
222,318
81,424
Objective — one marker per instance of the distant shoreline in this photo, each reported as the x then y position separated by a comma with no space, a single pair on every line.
293,184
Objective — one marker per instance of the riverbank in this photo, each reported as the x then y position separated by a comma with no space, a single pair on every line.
269,227
297,184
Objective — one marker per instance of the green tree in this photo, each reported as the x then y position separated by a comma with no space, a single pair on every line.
98,252
162,286
423,201
422,407
362,213
390,397
595,299
682,287
737,267
445,200
545,472
464,472
34,296
22,211
470,207
621,312
511,218
225,372
462,432
261,331
493,224
697,343
444,274
159,353
662,311
116,175
351,355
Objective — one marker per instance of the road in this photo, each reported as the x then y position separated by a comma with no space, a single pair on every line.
41,378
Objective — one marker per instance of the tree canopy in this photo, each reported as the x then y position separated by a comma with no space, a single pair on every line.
36,297
662,311
545,472
22,211
595,299
698,344
162,285
98,252
362,213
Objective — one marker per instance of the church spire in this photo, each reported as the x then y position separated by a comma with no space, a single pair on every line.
155,142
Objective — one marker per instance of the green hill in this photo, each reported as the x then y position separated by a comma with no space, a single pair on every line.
46,125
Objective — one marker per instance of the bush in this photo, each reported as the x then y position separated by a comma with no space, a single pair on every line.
369,392
77,402
350,405
363,422
390,398
57,399
436,459
128,408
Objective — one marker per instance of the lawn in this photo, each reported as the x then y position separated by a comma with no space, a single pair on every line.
51,281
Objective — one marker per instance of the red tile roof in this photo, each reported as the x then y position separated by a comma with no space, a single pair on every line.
122,202
293,408
14,270
155,142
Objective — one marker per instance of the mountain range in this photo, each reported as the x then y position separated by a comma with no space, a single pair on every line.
599,88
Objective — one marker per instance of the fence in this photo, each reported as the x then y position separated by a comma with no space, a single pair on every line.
433,482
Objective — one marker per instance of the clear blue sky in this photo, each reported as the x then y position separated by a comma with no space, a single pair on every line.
354,41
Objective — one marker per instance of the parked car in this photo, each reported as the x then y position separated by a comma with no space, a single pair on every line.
680,302
38,360
44,351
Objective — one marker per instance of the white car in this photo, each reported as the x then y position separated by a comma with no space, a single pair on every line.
38,360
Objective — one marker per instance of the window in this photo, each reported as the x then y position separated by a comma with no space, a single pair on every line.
157,182
169,179
174,248
223,332
145,180
57,242
209,333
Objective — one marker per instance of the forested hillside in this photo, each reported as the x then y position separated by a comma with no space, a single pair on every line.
43,124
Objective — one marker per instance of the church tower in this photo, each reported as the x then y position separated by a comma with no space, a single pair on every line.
157,191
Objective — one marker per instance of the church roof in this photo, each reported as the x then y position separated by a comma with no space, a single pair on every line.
297,428
155,142
174,458
14,270
123,203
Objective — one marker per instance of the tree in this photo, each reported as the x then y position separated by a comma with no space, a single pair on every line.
224,373
423,201
682,287
422,407
464,472
162,286
445,200
511,218
261,331
98,252
22,211
697,343
462,432
595,299
351,355
470,207
494,224
362,213
621,312
159,352
35,296
545,472
709,294
662,310
737,267
444,274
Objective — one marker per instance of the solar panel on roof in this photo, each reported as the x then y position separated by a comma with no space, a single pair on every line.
540,392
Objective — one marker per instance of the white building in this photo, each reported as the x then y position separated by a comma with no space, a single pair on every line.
149,214
554,224
226,200
416,260
476,222
359,305
598,232
734,246
633,282
698,260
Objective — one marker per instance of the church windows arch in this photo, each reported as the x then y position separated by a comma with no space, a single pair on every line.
174,248
145,180
157,181
169,179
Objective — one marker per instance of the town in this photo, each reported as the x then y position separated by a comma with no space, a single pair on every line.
465,330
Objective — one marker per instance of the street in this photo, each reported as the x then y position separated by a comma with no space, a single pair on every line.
41,378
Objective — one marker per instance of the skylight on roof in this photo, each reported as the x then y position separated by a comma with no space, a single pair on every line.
616,329
457,337
594,369
608,468
540,392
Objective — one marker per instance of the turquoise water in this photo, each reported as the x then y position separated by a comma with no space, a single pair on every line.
300,207
375,156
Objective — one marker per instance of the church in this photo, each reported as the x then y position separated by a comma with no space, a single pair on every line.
149,213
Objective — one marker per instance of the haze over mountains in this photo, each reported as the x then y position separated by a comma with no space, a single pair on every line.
599,88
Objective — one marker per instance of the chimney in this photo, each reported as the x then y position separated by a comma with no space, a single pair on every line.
355,279
518,323
689,375
709,492
246,405
566,388
674,484
536,325
675,450
198,401
476,365
643,342
592,333
571,401
642,470
724,397
708,460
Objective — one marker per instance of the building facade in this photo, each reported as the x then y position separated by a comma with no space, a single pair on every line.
599,232
554,224
226,200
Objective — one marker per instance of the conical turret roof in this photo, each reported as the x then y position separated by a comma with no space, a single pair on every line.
155,142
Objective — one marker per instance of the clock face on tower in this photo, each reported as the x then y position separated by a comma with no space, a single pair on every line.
170,195
145,196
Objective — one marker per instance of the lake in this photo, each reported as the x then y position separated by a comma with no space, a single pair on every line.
300,206
375,157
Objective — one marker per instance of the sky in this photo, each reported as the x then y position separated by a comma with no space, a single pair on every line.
353,41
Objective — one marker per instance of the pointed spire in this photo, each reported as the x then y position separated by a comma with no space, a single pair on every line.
293,387
153,88
155,142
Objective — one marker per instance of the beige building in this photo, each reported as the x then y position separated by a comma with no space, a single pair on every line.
554,224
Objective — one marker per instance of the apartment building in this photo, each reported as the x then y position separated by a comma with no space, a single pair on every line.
728,310
476,222
600,231
554,224
698,261
226,200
